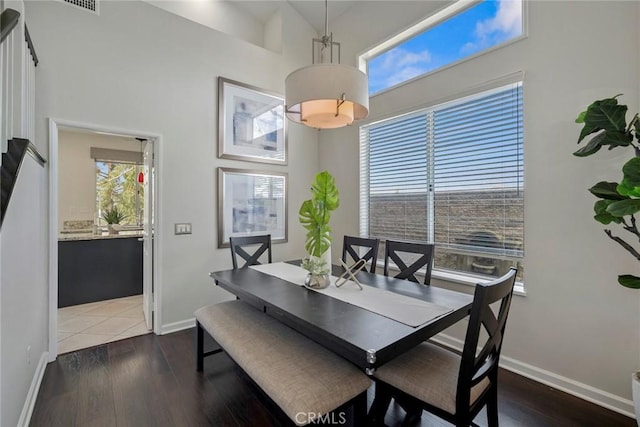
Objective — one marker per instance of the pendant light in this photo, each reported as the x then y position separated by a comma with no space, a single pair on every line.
326,95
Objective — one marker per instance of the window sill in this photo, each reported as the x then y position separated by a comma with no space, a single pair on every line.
471,280
460,278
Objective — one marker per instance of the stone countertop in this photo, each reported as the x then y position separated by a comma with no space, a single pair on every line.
125,234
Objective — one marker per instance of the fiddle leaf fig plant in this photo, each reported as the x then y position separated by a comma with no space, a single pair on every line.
619,202
315,213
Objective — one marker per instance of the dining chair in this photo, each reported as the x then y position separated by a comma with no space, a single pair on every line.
395,251
238,244
453,387
351,246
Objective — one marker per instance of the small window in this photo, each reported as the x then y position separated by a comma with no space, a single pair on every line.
117,186
485,25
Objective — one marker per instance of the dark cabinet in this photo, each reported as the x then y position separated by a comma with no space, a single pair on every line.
98,269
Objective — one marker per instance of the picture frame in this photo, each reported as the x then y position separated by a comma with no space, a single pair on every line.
252,203
251,123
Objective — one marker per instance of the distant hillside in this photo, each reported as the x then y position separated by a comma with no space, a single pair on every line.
464,222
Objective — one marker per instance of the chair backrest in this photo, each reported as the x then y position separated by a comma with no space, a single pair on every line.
351,245
237,245
393,250
476,366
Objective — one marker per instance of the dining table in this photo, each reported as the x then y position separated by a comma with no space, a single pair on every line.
367,337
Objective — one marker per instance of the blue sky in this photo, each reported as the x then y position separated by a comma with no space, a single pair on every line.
487,24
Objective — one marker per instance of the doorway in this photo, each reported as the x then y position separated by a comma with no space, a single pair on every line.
95,312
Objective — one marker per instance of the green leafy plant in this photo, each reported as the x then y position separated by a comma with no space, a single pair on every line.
618,202
113,216
315,213
315,266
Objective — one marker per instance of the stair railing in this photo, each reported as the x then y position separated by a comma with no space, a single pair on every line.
8,20
11,163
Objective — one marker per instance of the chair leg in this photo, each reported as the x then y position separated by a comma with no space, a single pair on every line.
380,405
412,417
412,408
199,347
492,406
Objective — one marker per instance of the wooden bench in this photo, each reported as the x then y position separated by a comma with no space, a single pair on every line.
303,378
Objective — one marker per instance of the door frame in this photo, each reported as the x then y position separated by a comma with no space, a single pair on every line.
54,125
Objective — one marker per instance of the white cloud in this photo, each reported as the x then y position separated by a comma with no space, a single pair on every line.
399,65
508,20
398,58
505,24
404,74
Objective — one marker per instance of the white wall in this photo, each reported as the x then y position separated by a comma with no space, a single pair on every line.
77,172
138,67
223,16
24,309
576,321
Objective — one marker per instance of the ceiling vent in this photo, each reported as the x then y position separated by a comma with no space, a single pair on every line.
90,5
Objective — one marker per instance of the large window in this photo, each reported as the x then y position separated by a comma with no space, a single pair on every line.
451,174
450,36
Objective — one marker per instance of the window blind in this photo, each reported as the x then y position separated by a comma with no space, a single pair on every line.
478,173
451,174
116,156
398,178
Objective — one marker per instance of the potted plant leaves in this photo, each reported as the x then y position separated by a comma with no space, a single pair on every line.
314,215
113,217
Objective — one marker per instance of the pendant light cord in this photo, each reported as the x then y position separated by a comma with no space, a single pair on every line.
326,17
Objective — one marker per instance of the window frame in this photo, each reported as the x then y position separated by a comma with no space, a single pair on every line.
431,21
460,277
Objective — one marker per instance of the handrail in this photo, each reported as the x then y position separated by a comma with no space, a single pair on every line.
32,150
8,20
32,49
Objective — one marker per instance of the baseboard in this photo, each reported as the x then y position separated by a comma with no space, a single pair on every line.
177,326
575,388
32,395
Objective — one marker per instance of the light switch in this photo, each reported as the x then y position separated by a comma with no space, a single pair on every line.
183,228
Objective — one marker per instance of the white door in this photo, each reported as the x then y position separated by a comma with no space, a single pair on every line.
147,234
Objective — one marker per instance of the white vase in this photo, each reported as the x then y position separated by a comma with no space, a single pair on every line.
635,390
327,258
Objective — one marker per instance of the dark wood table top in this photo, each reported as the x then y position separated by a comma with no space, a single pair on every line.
365,338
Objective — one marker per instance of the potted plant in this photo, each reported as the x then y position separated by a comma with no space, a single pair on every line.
318,277
314,215
113,217
618,202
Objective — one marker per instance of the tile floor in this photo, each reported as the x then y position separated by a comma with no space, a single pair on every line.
87,325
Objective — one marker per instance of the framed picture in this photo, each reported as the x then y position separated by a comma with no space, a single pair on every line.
251,203
251,124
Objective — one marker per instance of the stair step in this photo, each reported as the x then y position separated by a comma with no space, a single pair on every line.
11,161
8,163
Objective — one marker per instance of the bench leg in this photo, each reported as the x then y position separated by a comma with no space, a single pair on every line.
380,405
199,347
360,409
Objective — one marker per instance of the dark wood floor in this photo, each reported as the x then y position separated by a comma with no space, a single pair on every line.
151,381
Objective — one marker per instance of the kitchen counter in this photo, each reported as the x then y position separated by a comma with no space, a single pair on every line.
92,236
